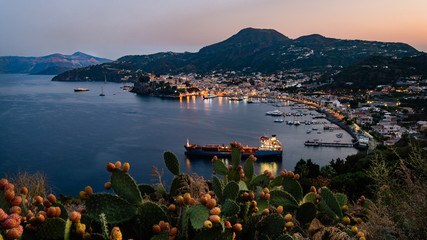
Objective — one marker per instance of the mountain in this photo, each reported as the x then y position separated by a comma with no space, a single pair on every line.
378,70
51,64
250,50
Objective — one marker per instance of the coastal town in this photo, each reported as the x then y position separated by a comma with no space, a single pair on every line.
380,116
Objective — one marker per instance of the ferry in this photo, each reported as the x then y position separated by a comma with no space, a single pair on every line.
81,89
269,147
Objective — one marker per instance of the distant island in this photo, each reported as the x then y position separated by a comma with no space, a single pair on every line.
48,65
249,51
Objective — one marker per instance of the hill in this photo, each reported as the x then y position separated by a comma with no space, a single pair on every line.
379,70
51,64
252,50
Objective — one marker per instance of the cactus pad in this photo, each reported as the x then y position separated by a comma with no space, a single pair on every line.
284,237
341,199
162,236
214,234
236,157
198,215
272,224
260,180
293,187
310,197
329,205
145,189
171,162
243,186
217,187
231,191
262,204
64,214
282,198
150,214
220,168
124,185
306,213
368,204
116,209
248,168
276,182
5,205
52,228
67,230
230,208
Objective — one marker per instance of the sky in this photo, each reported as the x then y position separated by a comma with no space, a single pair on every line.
114,28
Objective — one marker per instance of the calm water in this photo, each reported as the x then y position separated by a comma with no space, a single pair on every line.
46,126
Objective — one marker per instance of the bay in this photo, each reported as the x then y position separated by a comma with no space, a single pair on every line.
70,136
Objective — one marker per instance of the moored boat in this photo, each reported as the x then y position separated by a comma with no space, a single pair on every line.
81,89
269,147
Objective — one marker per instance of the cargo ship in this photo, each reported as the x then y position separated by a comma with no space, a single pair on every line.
269,147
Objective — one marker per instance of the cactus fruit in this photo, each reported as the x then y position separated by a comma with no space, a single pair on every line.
82,195
3,215
116,234
51,198
211,203
289,225
207,224
346,220
126,167
15,209
171,162
288,217
16,201
172,208
156,229
118,164
9,195
214,218
107,185
110,167
15,233
75,217
3,183
88,190
237,227
215,211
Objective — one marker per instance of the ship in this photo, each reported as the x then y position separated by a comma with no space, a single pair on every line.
270,148
81,89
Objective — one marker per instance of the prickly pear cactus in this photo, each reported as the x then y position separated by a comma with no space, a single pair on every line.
272,224
150,214
329,205
124,185
217,187
52,228
309,197
306,213
215,234
231,191
293,187
146,189
220,168
236,157
282,198
116,209
171,162
230,208
341,199
248,168
284,237
198,215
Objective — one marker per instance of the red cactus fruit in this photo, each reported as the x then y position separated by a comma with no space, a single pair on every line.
173,231
107,185
237,227
207,224
9,186
156,229
126,167
88,190
9,195
15,233
24,190
38,200
110,167
75,217
16,201
10,223
3,183
118,164
214,218
251,196
215,211
227,224
15,209
262,195
51,198
211,203
167,226
3,215
267,196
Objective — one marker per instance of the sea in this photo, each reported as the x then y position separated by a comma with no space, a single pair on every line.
70,136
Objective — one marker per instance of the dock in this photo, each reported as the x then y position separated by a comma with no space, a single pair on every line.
327,144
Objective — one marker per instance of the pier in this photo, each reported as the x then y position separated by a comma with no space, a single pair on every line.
327,144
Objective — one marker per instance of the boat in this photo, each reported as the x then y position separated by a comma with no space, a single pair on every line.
308,131
81,89
102,88
236,99
297,123
269,147
279,120
274,113
339,135
209,96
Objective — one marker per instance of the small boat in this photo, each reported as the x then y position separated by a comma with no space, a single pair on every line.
81,89
236,99
209,96
297,123
269,147
339,135
274,113
279,120
308,131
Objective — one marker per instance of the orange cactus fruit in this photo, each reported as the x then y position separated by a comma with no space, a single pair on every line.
10,223
266,190
251,195
110,167
203,200
227,224
75,217
81,229
354,230
359,220
262,195
83,195
289,225
16,201
172,208
237,227
207,224
9,195
360,234
116,234
211,203
58,211
296,176
291,174
3,215
156,229
192,201
180,200
362,238
215,211
9,186
51,212
40,218
288,217
214,218
118,164
15,209
15,233
187,198
162,225
126,167
51,198
279,209
24,190
267,196
173,231
3,183
107,185
42,213
167,226
38,200
88,190
265,211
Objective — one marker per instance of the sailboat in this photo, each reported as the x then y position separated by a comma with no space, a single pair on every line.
102,88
